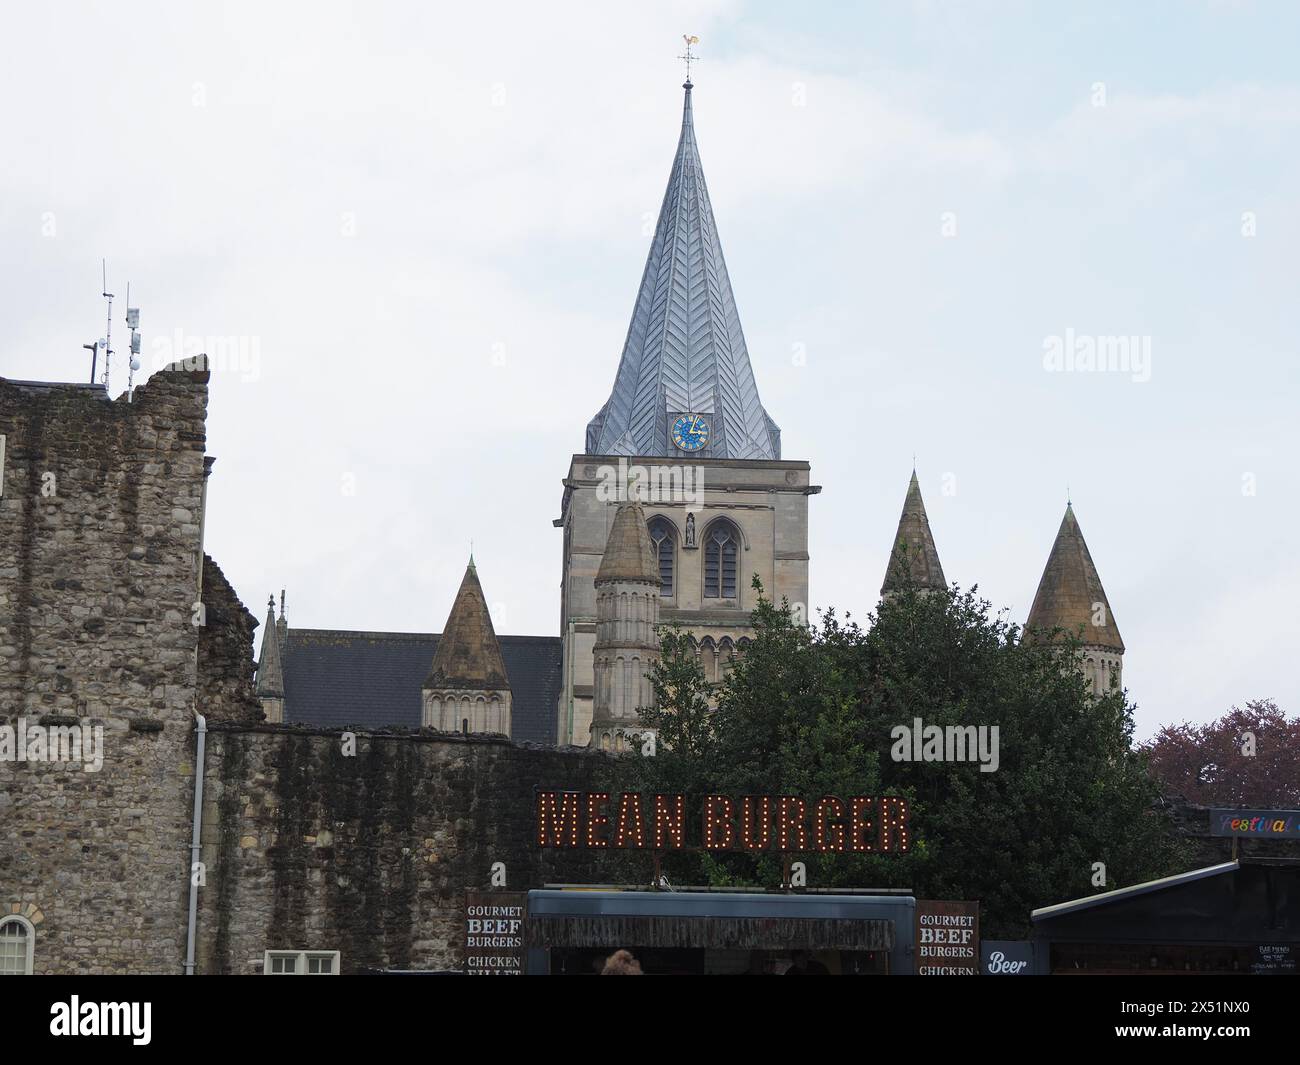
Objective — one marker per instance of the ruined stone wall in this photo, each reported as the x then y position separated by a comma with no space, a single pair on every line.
226,666
99,561
306,848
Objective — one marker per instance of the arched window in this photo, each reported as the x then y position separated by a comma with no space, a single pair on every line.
17,944
661,536
721,548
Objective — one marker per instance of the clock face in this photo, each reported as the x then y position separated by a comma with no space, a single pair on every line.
691,432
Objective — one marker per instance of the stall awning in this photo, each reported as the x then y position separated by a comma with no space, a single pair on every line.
738,933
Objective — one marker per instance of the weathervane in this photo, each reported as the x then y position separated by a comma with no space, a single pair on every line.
689,57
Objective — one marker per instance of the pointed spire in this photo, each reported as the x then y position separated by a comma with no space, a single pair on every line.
913,551
685,352
282,626
270,674
1070,594
468,653
629,554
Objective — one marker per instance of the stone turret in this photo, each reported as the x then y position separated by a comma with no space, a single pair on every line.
1070,597
270,672
467,689
627,614
913,550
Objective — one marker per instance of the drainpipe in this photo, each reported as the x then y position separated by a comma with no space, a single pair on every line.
568,736
201,732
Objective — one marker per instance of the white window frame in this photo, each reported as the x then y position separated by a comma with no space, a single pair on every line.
301,962
30,930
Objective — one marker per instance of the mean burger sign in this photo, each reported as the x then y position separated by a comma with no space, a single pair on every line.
858,824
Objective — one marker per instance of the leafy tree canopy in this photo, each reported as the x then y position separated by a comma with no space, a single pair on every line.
810,711
1249,757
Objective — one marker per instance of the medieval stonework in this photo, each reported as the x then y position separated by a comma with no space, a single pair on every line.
352,785
110,618
313,845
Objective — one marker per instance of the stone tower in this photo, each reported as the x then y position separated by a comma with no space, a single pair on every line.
1070,597
913,550
627,613
467,689
685,420
270,671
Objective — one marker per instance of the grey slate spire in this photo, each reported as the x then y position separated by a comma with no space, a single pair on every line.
685,351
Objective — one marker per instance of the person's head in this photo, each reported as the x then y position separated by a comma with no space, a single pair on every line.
621,963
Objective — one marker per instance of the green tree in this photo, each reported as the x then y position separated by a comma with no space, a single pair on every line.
813,711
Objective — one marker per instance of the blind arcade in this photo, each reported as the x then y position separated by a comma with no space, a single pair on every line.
786,823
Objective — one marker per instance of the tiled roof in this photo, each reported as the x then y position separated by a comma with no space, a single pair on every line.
373,679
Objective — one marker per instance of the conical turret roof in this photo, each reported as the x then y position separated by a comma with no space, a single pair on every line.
270,673
913,549
1070,594
685,352
468,654
629,554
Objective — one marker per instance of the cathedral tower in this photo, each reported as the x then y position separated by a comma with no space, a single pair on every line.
1070,596
913,552
627,613
684,418
467,689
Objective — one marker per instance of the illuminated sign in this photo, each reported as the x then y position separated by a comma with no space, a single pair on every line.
630,821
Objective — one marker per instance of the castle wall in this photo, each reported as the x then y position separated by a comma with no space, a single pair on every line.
100,556
308,848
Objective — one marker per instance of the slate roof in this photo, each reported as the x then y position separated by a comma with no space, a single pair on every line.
1070,592
334,678
685,351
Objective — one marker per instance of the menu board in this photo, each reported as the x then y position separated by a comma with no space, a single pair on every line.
494,932
1274,959
947,938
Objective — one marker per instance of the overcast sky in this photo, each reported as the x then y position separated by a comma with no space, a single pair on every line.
422,227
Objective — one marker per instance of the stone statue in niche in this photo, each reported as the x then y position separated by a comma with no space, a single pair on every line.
690,530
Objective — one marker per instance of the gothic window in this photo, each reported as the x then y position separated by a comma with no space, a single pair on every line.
721,549
17,941
661,536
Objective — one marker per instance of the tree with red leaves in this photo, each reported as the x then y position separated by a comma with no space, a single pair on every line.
1249,757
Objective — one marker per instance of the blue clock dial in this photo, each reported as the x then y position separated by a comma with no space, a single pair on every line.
691,432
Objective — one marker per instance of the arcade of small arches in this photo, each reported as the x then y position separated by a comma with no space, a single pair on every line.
1103,669
467,711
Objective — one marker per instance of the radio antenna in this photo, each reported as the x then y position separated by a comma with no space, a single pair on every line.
108,329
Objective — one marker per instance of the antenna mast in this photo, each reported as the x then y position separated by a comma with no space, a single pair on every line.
133,324
108,328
